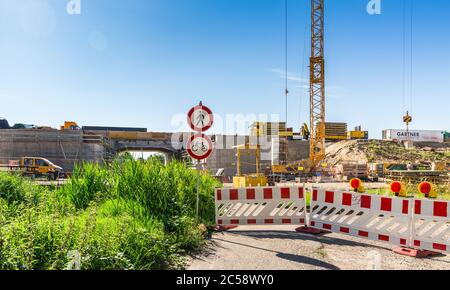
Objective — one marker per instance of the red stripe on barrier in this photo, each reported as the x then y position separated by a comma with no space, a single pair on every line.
234,222
329,197
251,222
383,238
366,201
251,193
403,242
300,193
234,194
327,227
314,195
344,230
268,221
219,195
440,247
285,193
268,193
386,204
417,243
418,207
287,221
363,234
440,209
347,199
405,207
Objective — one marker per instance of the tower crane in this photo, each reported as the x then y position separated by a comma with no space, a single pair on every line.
317,85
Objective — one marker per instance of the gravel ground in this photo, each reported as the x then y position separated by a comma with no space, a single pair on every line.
281,248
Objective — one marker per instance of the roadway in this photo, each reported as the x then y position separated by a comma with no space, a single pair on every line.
281,248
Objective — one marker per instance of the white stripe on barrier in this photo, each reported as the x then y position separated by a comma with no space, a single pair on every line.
431,222
379,218
259,206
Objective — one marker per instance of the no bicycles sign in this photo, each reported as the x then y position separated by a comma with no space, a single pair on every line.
200,119
199,147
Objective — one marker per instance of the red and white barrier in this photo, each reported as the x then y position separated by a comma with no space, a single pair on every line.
410,223
431,225
378,218
260,206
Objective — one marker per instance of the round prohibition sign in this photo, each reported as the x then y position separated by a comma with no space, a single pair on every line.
200,118
199,147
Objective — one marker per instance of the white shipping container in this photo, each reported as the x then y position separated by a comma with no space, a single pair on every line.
414,135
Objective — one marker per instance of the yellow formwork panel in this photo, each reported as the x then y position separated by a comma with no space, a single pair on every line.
250,181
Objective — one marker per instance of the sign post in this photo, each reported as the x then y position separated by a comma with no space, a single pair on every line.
200,119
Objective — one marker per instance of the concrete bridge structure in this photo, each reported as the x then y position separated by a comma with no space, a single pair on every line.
69,147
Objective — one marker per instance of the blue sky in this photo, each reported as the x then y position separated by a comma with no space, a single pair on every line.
143,62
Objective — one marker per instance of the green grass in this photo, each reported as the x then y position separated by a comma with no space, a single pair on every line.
391,151
124,215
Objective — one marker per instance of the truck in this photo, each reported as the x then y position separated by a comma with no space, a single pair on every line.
35,167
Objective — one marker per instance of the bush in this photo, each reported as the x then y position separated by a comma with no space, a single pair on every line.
88,183
13,188
125,215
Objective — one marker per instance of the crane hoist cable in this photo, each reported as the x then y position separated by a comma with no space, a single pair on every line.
408,102
286,91
412,58
404,58
303,87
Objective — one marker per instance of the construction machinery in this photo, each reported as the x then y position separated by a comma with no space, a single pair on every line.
35,167
285,173
251,180
305,132
358,134
70,125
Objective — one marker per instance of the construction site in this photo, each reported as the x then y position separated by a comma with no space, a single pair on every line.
347,155
320,177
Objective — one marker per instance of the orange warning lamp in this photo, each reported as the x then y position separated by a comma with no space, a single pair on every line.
357,185
398,188
427,189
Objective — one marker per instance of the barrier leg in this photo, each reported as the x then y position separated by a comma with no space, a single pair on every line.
221,228
310,231
415,253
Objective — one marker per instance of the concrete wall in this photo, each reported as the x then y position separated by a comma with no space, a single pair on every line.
64,148
298,150
224,155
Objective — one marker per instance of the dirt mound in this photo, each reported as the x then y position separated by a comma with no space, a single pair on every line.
378,151
345,151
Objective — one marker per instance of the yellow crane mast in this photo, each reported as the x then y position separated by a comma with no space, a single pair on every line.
317,85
